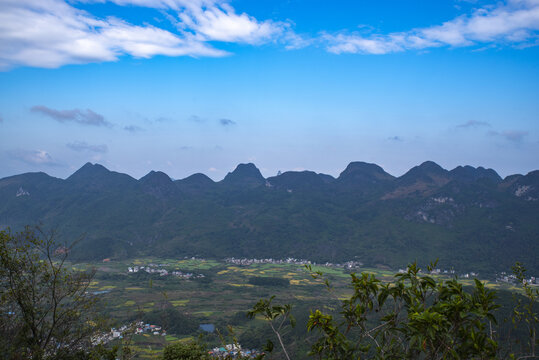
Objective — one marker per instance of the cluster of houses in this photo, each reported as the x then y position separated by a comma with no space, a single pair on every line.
347,265
446,272
233,351
118,333
512,279
154,269
503,277
245,261
142,328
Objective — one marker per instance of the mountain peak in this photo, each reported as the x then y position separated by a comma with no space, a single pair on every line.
424,176
426,169
468,173
357,167
292,180
158,184
96,176
246,175
363,174
431,166
155,177
89,170
198,179
195,184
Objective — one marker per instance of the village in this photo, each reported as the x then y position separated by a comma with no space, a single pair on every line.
512,279
135,328
348,265
293,261
233,351
157,269
140,328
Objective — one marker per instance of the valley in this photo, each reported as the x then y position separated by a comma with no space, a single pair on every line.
221,297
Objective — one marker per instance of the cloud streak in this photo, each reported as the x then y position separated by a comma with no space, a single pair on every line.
473,124
133,128
227,122
83,117
33,157
515,23
515,136
81,146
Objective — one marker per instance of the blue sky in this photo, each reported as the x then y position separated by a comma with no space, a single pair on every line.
187,86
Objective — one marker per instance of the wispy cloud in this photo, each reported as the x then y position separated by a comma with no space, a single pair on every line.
516,136
84,117
196,118
53,33
473,124
133,128
82,146
227,122
33,157
220,22
514,22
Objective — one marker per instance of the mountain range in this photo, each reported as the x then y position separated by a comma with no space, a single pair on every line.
469,218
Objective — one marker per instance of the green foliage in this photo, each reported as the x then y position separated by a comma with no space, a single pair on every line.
46,309
526,310
172,320
184,351
277,316
416,316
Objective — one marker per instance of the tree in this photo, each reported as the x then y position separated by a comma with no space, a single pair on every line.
47,311
525,311
415,316
277,316
184,351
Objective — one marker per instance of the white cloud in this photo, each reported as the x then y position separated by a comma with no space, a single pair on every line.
52,33
34,157
222,23
213,20
515,22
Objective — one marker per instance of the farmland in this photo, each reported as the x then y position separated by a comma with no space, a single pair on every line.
220,297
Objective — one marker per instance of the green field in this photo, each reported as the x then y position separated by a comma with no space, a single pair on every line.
221,297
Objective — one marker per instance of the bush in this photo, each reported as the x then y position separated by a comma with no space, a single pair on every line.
184,351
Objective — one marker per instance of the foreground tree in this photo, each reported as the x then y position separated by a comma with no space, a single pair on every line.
185,351
415,316
45,307
526,313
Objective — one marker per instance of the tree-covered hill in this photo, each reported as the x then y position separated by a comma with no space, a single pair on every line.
470,218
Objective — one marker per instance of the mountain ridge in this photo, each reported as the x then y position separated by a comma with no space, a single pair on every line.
466,216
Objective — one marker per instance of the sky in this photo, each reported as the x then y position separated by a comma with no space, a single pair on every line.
188,86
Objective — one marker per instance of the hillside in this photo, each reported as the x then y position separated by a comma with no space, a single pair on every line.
469,218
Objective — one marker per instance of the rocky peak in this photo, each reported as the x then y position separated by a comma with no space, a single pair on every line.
245,175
